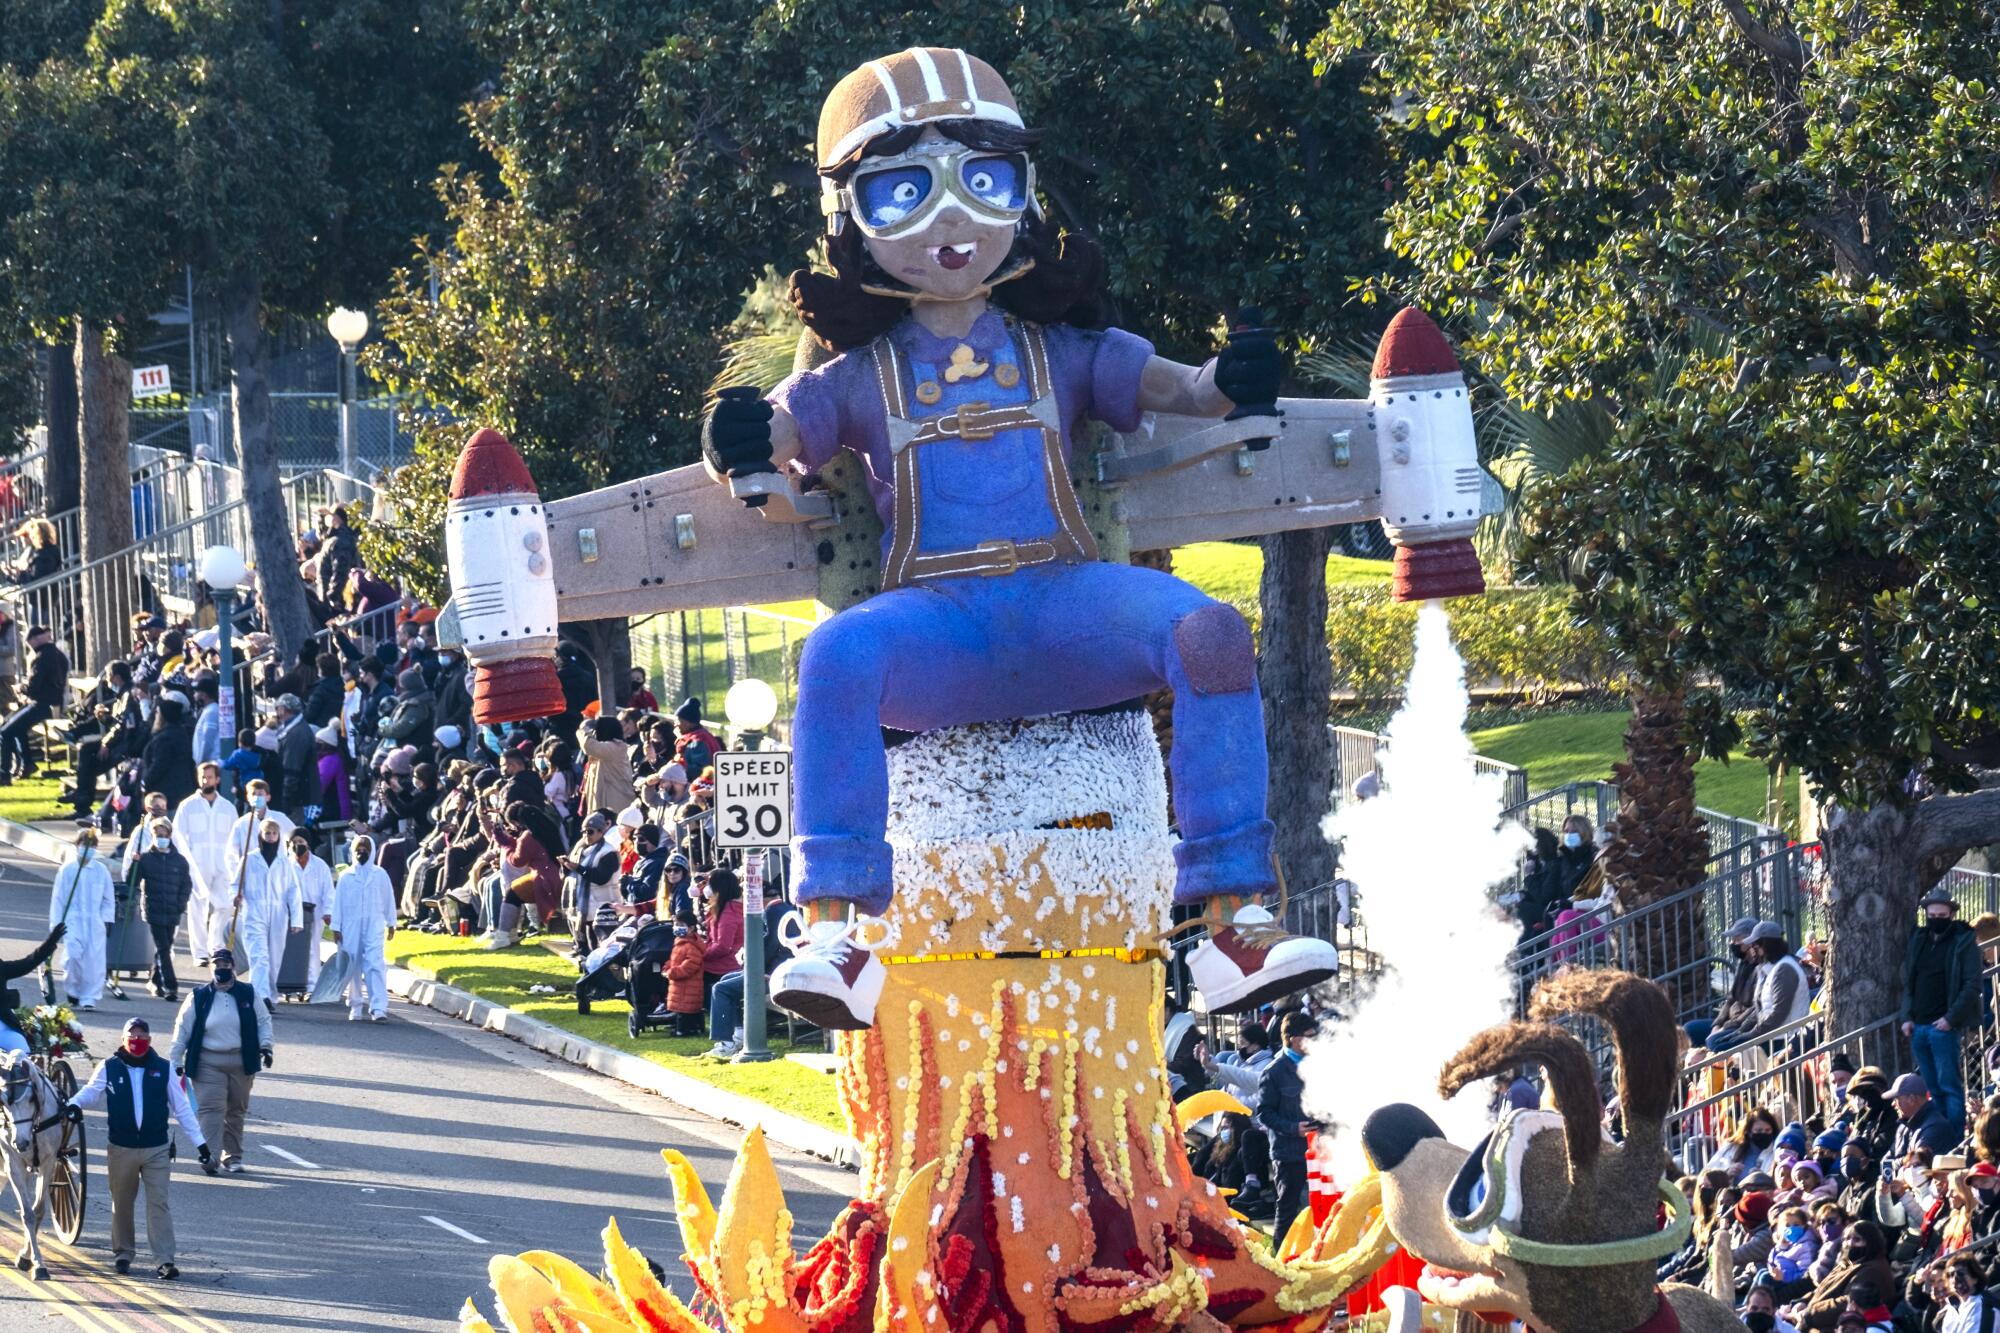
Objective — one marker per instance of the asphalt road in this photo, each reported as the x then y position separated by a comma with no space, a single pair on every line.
387,1162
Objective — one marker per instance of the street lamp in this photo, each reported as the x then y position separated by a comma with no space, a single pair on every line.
750,706
223,570
348,328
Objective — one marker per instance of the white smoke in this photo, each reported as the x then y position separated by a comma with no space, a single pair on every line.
1423,855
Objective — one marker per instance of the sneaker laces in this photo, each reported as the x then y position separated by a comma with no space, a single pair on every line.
796,933
1256,934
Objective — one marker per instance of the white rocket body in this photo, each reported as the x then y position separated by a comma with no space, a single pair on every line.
502,578
1431,478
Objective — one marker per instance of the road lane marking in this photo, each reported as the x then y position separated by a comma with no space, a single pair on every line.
456,1231
293,1158
90,1276
66,1303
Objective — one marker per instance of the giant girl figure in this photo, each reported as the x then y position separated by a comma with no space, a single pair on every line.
969,353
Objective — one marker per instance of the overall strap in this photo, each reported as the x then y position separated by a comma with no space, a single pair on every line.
1072,541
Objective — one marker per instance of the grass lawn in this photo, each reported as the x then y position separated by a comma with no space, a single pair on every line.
26,800
1576,747
505,976
1228,572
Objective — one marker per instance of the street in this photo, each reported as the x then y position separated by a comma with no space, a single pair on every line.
386,1164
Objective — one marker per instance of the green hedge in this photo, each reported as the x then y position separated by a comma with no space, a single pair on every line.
1519,639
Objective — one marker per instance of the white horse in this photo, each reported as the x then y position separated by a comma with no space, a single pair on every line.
32,1112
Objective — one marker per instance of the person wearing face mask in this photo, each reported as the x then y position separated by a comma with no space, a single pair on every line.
1738,1009
243,833
1870,1118
314,878
166,883
267,909
1760,1312
364,918
1751,1149
84,902
143,1101
1863,1266
1830,1225
153,805
1941,999
221,1037
202,826
1794,1250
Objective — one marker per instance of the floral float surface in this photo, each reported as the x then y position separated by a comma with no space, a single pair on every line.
52,1030
1022,1161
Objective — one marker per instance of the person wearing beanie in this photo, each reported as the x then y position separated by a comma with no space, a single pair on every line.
1941,994
1750,1235
409,722
335,791
1826,1146
695,746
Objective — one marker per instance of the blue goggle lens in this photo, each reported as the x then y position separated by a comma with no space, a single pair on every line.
884,198
1000,182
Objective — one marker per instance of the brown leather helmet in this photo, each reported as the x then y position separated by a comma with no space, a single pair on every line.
915,87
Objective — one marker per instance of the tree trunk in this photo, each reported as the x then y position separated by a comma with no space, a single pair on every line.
1872,866
1659,847
281,593
63,487
1296,676
104,398
610,643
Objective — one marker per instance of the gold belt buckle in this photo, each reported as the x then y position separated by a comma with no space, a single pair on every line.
1004,548
965,423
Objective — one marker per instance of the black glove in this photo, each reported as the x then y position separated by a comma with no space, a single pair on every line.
55,936
1248,368
267,1057
736,438
72,1113
204,1154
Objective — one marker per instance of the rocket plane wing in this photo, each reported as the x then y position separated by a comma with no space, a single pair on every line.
674,541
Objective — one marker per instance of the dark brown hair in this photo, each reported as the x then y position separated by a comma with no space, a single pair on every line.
1064,283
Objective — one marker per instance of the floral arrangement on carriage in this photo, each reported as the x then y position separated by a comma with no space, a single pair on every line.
52,1030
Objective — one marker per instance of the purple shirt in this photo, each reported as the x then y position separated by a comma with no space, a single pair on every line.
839,405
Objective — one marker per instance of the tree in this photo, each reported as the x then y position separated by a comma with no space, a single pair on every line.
1800,521
654,161
292,144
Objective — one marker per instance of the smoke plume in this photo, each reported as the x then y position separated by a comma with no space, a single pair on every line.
1423,855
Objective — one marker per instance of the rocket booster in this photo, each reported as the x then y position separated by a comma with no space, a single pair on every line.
1431,478
503,582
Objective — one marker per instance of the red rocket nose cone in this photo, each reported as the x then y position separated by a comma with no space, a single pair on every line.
516,690
490,466
1412,345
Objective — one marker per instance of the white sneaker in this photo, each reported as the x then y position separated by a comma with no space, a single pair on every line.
497,940
1252,960
830,980
378,1018
724,1050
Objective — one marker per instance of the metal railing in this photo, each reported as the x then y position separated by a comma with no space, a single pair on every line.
1357,751
1598,802
1784,1073
703,653
160,572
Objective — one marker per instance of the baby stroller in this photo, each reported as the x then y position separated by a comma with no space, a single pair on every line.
632,963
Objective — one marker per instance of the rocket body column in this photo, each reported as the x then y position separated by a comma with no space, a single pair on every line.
503,582
1431,478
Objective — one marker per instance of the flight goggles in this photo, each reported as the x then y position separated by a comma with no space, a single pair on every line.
894,196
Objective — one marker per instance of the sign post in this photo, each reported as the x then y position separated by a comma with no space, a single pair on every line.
753,812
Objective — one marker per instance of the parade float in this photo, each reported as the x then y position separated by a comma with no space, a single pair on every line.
960,476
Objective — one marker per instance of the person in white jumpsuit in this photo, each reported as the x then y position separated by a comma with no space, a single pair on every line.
364,919
267,910
257,809
84,902
315,880
201,832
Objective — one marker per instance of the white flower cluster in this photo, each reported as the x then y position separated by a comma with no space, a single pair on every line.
1033,889
964,782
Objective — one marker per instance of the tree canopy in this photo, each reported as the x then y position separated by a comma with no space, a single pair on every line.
655,159
1769,247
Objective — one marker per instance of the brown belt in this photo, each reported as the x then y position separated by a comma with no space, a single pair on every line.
987,558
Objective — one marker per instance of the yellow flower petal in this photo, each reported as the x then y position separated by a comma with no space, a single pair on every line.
696,1213
650,1307
471,1321
578,1287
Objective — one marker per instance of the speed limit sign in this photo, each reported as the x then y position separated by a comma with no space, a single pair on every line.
753,798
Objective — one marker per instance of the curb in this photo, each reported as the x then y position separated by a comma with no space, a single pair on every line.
697,1096
33,841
